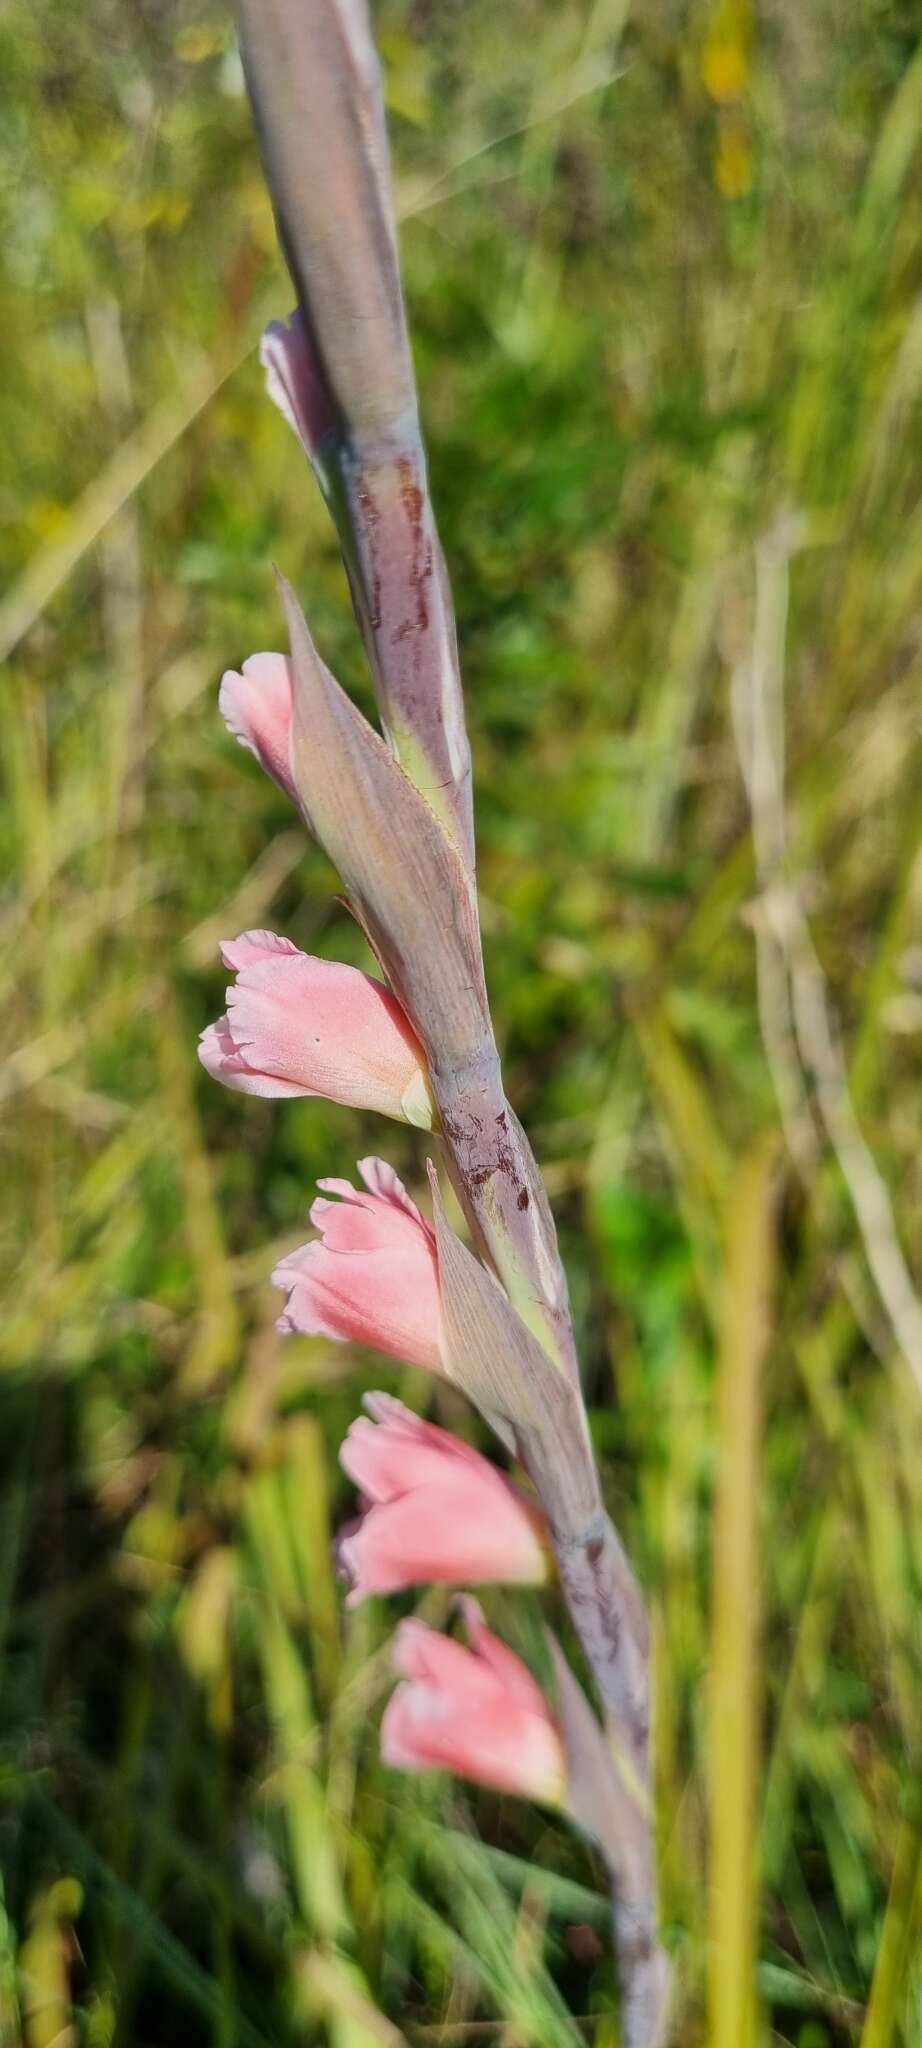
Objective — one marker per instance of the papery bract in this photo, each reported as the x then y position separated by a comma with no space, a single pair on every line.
256,706
437,1512
371,1276
296,1025
476,1711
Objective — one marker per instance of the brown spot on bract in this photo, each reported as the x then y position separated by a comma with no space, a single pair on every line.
413,502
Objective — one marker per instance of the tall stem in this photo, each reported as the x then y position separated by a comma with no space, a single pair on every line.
607,1613
313,78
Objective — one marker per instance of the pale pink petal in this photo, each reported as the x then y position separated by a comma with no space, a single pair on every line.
383,1184
403,1453
218,1052
513,1675
386,1299
386,1408
252,947
398,1420
438,1512
521,1754
360,1222
338,1031
402,1422
384,1465
456,1712
256,706
294,381
400,1741
336,1185
319,1028
441,1535
370,1278
422,1653
380,1179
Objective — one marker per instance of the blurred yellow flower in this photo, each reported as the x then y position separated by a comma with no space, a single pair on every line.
725,66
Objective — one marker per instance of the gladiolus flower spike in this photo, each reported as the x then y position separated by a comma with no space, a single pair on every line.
392,811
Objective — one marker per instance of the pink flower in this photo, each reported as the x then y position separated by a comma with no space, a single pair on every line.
478,1712
256,708
300,1026
438,1512
372,1275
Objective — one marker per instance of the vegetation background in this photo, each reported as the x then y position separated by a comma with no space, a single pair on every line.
664,268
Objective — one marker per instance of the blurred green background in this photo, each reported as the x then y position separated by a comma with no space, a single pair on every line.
664,269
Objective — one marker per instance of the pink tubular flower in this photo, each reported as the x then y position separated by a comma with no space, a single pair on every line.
478,1712
438,1512
256,707
372,1275
300,1026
